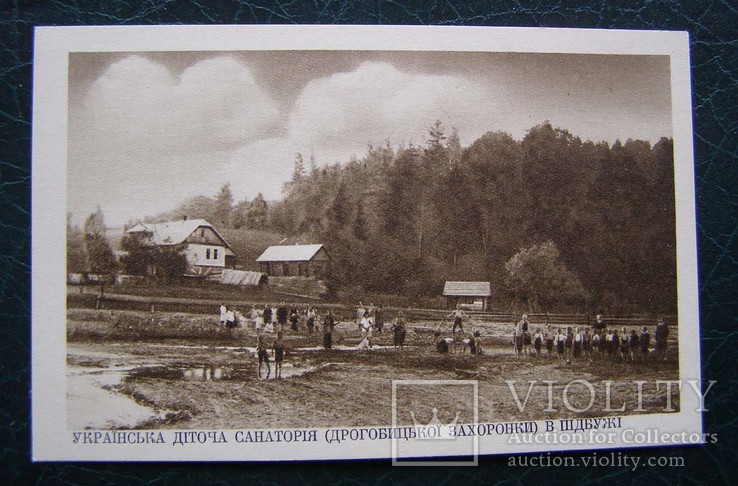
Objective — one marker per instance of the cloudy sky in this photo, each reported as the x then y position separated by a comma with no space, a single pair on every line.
148,130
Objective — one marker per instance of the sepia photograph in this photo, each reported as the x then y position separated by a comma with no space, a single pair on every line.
474,246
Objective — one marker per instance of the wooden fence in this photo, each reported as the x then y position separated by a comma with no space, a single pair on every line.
179,304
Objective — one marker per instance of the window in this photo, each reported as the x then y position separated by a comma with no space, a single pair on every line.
215,253
207,254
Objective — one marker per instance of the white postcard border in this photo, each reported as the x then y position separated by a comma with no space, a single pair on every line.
52,440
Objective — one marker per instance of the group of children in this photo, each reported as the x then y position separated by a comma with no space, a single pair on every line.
593,343
229,317
371,319
278,347
271,318
471,340
262,352
371,313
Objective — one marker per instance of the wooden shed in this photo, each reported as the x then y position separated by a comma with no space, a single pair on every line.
472,294
295,261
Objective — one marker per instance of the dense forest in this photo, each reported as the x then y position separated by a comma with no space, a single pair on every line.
552,221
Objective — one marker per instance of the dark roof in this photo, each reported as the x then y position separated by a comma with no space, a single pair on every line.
467,289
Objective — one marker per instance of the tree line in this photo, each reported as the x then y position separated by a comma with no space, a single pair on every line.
552,221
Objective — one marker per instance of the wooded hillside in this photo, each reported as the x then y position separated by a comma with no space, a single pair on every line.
552,221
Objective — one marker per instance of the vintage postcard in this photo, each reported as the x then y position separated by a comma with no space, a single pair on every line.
423,244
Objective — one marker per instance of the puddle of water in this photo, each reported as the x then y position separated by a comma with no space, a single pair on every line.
215,373
352,348
92,405
201,373
197,346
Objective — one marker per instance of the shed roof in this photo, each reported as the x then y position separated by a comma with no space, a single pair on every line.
467,289
173,232
289,253
242,277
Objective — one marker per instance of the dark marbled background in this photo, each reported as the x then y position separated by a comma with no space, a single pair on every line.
712,28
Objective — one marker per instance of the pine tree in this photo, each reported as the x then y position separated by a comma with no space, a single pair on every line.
360,230
223,205
298,173
340,210
100,257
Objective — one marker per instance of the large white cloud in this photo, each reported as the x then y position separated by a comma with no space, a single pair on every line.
378,101
140,105
335,118
145,138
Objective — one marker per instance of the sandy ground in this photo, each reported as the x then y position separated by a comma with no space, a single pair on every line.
177,383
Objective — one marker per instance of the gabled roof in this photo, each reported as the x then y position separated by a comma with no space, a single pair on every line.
289,253
173,232
467,289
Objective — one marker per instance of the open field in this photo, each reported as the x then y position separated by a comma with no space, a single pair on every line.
184,371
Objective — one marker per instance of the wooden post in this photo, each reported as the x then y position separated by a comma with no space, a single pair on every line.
100,297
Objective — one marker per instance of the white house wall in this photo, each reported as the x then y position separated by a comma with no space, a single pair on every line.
198,255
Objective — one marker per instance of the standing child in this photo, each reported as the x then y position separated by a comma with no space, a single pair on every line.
645,341
278,354
477,340
294,317
549,341
569,343
259,321
517,340
282,314
458,316
578,342
270,319
230,319
275,320
379,318
527,341
624,344
360,311
252,316
608,343
263,355
634,342
615,344
538,342
310,314
587,343
399,332
222,314
366,333
560,343
596,342
329,322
